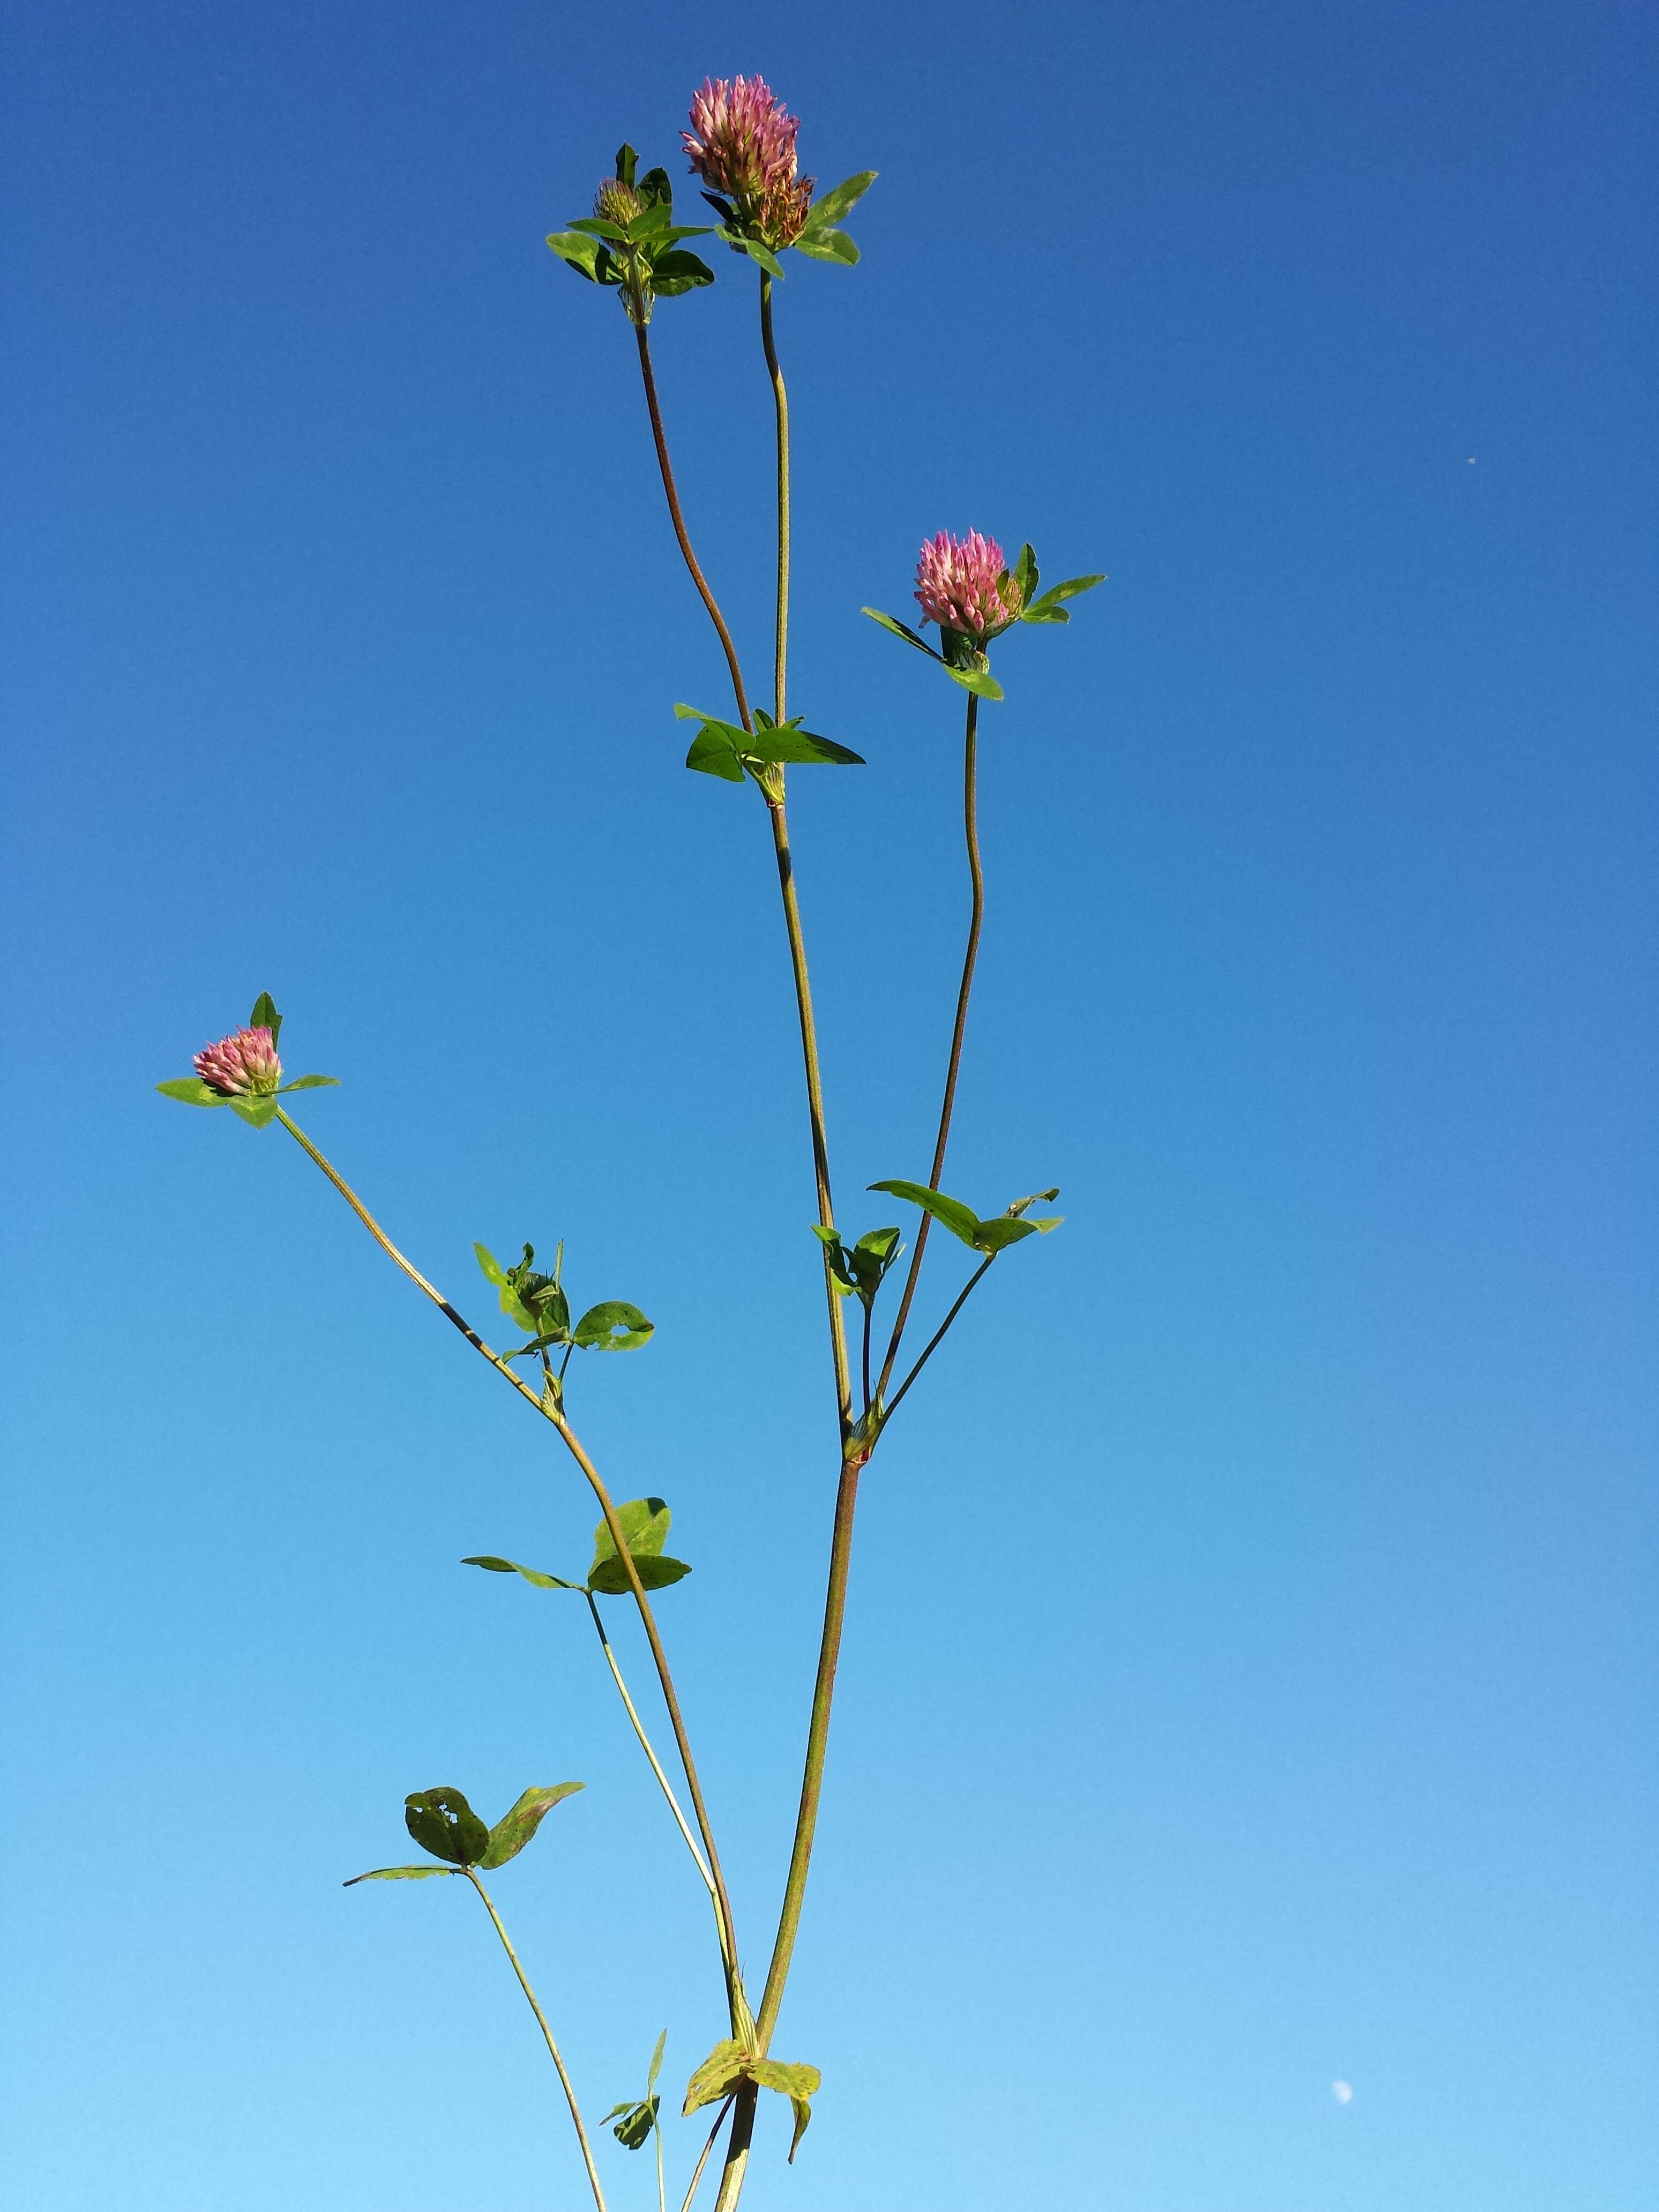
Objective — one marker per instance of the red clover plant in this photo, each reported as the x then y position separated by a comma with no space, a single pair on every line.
741,144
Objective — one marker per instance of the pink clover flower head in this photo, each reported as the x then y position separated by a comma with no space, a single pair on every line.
742,143
963,584
242,1064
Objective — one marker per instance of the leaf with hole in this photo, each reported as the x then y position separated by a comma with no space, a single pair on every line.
515,1827
442,1822
612,1326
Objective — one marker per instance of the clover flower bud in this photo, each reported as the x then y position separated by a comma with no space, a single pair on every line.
742,143
242,1063
963,585
615,202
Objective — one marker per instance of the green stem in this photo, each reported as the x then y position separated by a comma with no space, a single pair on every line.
663,1784
808,1045
553,1413
976,916
662,2186
683,536
938,1337
697,2178
781,409
553,2048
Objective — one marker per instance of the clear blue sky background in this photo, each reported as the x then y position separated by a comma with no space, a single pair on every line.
1250,1671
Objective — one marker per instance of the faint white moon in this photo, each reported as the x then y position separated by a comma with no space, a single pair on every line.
1343,2092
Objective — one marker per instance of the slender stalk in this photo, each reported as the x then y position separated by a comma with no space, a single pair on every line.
865,1356
781,409
553,2048
662,2186
551,1410
976,916
697,2176
645,1745
938,1337
722,1902
808,1045
680,532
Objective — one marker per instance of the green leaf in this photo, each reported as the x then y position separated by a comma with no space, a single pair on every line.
577,252
830,206
841,1267
827,245
902,630
398,1874
645,1523
713,754
1025,575
785,741
309,1083
798,2082
755,251
718,2076
265,1016
628,162
961,1220
609,1579
598,225
995,1235
1049,608
976,680
494,1271
500,1566
515,1828
675,273
192,1091
613,1326
633,2130
442,1822
257,1112
656,2062
718,749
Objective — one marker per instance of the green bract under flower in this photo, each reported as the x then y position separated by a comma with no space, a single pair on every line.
631,241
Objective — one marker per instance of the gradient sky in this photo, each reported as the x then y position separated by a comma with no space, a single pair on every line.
1251,1669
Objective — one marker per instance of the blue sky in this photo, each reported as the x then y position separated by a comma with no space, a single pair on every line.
1249,1679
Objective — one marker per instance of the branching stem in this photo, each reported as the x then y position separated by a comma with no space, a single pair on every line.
551,1411
663,1783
